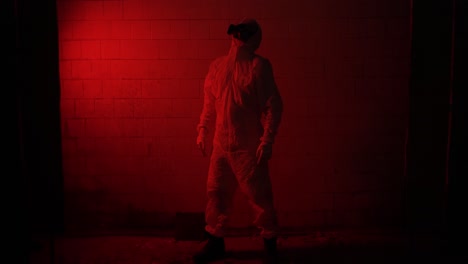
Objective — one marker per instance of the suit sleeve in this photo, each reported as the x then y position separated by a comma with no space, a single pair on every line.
272,102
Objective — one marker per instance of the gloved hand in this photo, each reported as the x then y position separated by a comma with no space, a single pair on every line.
264,152
201,140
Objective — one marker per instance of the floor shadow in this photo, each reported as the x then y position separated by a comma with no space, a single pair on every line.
349,255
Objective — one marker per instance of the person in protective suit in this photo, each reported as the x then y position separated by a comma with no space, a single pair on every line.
241,97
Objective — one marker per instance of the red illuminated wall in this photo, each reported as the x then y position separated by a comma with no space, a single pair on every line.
131,74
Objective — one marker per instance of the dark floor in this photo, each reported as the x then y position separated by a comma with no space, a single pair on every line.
319,247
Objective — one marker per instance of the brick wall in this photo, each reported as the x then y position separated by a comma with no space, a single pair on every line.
131,78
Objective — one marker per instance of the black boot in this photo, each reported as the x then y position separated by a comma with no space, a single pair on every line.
271,252
214,249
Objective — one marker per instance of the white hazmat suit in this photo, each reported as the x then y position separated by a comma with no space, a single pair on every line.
241,96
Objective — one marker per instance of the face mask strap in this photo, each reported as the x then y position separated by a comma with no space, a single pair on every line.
241,31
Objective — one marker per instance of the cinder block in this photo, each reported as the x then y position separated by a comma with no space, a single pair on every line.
193,184
72,89
150,201
74,167
129,127
188,88
398,49
135,146
366,200
70,49
298,28
391,200
160,29
197,69
298,9
168,49
186,107
110,88
304,202
343,201
214,10
136,10
92,88
64,11
395,9
133,169
213,48
67,108
306,68
122,88
192,156
187,49
124,107
90,10
181,126
275,29
366,27
177,69
164,147
81,69
65,68
154,127
156,70
386,67
158,10
299,48
155,171
156,88
117,180
84,108
103,108
398,28
355,50
86,147
179,29
74,127
92,29
218,29
297,176
141,29
362,218
110,49
173,10
153,108
69,147
199,29
105,147
130,69
100,166
352,218
390,217
119,29
365,8
112,10
189,150
139,49
101,127
344,69
100,69
343,180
